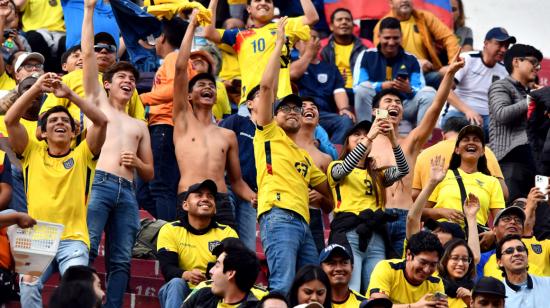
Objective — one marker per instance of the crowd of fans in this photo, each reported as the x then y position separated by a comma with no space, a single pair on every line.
274,120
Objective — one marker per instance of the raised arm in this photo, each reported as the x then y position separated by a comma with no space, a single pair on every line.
92,88
299,67
181,79
270,77
210,31
310,13
471,207
534,197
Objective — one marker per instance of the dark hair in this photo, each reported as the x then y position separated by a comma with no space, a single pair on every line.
248,2
174,30
58,108
376,99
120,66
74,294
454,124
519,51
481,163
424,241
390,23
69,52
306,274
498,250
243,261
200,76
449,247
338,10
273,295
79,273
461,17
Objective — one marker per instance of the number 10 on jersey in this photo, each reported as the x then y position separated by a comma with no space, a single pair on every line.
259,45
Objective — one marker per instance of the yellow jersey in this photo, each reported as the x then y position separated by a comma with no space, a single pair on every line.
342,55
6,82
388,277
258,291
487,188
354,193
40,14
222,107
230,63
539,259
194,248
254,47
30,127
354,300
456,303
445,148
57,186
412,40
284,172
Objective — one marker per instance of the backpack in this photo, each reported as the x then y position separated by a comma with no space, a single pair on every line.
146,239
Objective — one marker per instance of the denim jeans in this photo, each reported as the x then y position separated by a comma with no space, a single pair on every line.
113,207
245,218
336,125
317,229
173,293
457,114
364,261
288,245
69,253
397,229
413,108
159,196
18,197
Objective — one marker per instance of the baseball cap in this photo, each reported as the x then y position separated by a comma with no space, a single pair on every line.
489,285
500,34
333,249
448,227
28,56
252,93
105,37
365,125
377,302
289,99
208,184
516,210
471,130
310,305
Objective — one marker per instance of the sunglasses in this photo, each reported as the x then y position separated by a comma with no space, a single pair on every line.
510,250
108,47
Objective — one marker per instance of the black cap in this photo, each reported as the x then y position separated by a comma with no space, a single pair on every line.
252,93
516,210
208,184
489,285
334,249
471,130
448,227
105,37
500,34
377,302
289,99
365,125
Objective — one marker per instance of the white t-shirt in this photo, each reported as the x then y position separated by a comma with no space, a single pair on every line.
474,80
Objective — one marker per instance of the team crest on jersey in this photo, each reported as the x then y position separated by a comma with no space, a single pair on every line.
480,183
68,164
537,248
213,244
322,78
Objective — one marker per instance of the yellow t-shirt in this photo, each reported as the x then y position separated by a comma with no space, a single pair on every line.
284,172
412,40
57,187
388,278
230,63
487,188
445,148
342,55
222,106
456,303
539,259
30,127
258,291
6,82
354,300
254,47
354,193
40,14
194,250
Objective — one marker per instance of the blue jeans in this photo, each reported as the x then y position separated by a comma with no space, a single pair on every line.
413,108
173,293
18,197
457,114
317,229
397,229
336,125
364,261
69,253
288,245
245,218
159,196
113,207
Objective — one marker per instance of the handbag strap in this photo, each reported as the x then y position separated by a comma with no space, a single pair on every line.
458,178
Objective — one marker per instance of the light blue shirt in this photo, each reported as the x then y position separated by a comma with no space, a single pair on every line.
534,294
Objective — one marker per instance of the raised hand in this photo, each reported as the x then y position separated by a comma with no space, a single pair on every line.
59,89
438,170
45,82
456,64
281,24
471,206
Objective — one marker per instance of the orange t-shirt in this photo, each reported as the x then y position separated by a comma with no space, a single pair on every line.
5,254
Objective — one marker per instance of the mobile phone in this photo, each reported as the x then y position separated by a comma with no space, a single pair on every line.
541,182
381,113
403,75
440,296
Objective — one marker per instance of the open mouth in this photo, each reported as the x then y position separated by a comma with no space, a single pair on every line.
393,112
309,115
207,94
126,88
471,149
60,130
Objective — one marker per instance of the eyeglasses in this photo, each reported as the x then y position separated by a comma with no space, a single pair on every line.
108,47
288,109
508,219
424,263
29,67
456,259
533,61
510,250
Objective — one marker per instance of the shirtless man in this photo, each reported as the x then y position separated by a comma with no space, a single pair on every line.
204,150
127,149
398,196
